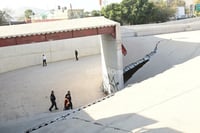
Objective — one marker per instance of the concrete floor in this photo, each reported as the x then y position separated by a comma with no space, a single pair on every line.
26,92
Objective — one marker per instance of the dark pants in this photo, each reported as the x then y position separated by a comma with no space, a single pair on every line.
70,105
66,108
53,103
44,63
76,57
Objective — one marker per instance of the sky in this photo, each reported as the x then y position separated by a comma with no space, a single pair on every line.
87,5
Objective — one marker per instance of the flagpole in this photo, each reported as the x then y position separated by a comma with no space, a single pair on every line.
100,4
72,14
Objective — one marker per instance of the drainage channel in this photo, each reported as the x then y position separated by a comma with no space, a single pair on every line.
133,67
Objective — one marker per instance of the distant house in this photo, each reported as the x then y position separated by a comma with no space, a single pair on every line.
57,14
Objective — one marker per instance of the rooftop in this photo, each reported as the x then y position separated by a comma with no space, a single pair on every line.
54,27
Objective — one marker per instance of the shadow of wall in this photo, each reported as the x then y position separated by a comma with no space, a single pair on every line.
124,123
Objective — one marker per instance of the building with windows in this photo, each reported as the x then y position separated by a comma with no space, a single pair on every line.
57,14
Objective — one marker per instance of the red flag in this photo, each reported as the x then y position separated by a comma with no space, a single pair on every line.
124,52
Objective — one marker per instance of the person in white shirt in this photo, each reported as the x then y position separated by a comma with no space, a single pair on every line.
44,58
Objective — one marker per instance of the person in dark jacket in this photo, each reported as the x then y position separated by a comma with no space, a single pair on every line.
76,54
53,101
68,96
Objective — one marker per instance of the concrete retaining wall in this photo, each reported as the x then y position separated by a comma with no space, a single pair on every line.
15,57
162,28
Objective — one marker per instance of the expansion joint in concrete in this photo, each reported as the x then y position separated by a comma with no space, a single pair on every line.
102,125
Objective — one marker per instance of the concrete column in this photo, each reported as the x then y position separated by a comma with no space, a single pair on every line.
112,65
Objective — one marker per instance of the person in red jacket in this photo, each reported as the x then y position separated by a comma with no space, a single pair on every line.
66,104
68,96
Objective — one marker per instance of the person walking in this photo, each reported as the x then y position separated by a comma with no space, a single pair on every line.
68,96
76,55
44,59
53,101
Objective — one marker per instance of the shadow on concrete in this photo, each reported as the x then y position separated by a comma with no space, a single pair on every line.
83,122
127,122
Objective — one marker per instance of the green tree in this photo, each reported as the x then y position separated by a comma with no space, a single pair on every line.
113,12
145,12
28,13
163,11
128,11
95,13
197,13
137,11
86,14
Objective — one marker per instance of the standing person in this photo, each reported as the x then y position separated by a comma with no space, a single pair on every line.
68,96
44,58
53,101
66,104
76,54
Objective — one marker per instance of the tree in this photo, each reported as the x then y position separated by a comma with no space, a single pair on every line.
4,16
145,12
86,14
163,11
95,13
28,13
137,11
113,12
128,11
197,12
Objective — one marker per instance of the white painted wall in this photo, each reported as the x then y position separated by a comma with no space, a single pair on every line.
19,56
112,64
